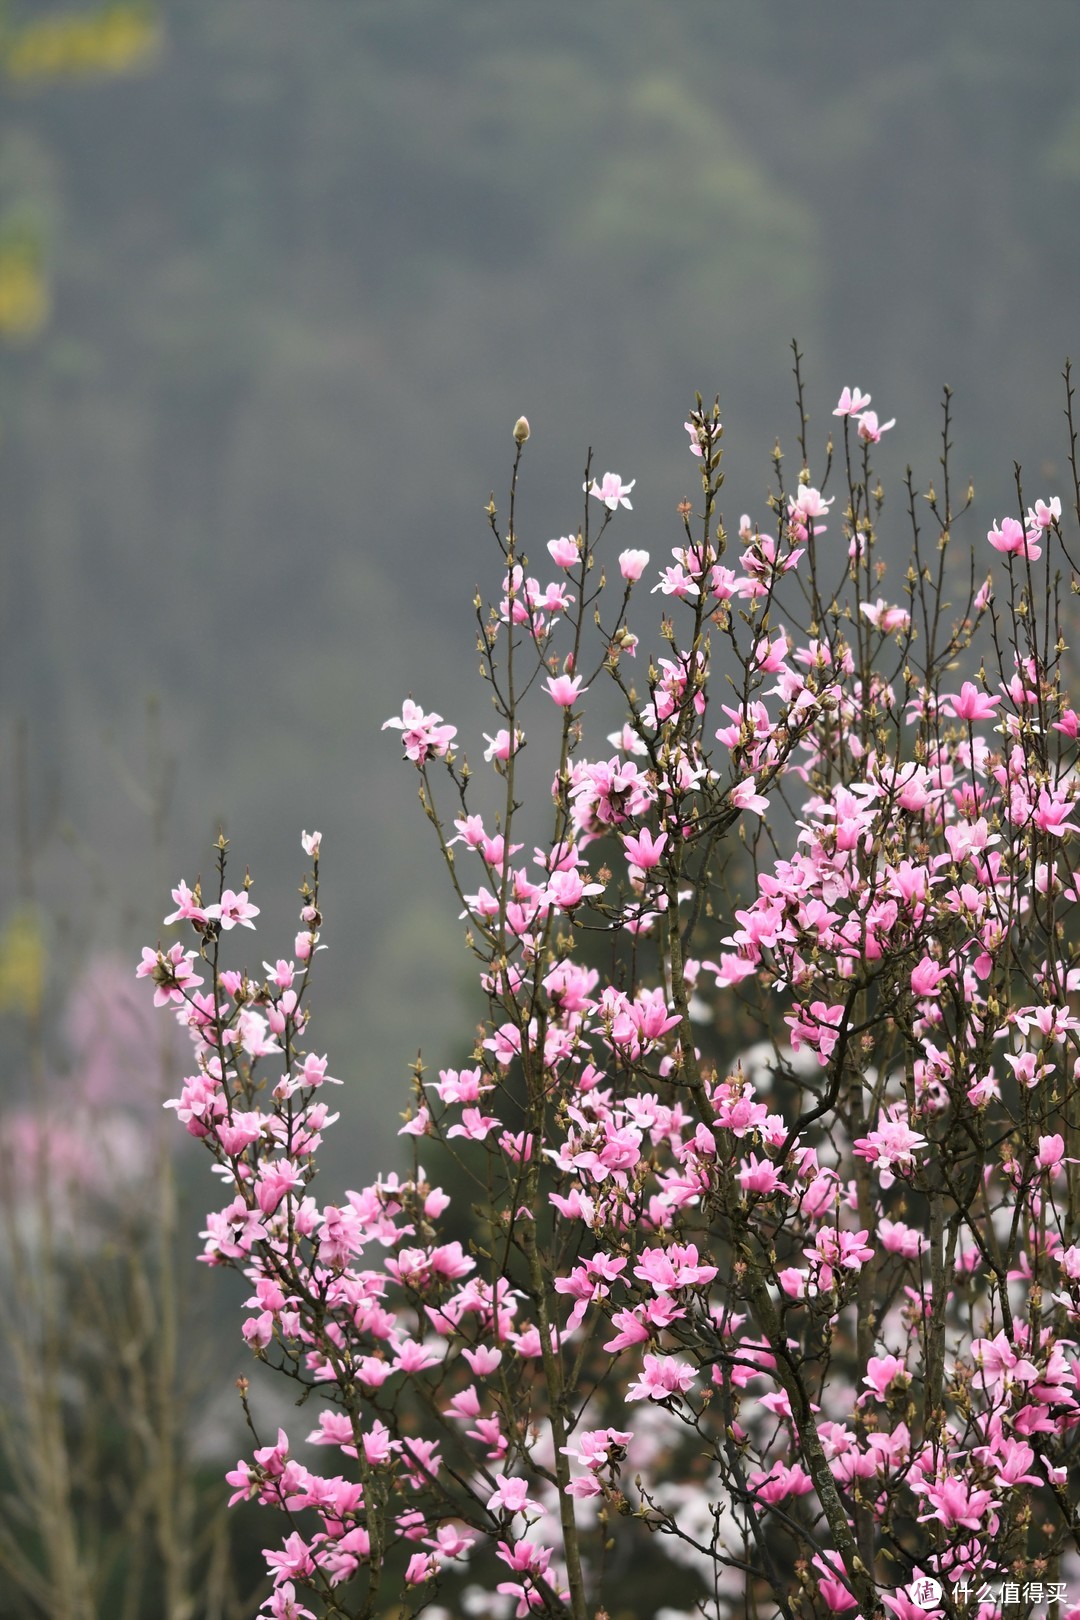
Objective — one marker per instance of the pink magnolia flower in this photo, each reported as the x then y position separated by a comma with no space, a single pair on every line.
420,1568
611,490
565,690
971,704
1051,1155
173,973
596,1448
816,1026
1051,812
892,1146
632,564
465,1405
771,656
568,889
844,1251
675,582
744,797
779,1481
294,1558
870,430
564,552
1069,1261
588,1280
483,1359
832,1584
900,1239
253,1034
1052,1022
883,1373
890,1450
903,1602
187,907
885,618
283,1604
525,1556
313,1072
661,1377
760,1176
1013,540
464,1086
809,503
1000,1364
512,1496
474,1126
851,402
668,1270
643,849
422,734
1044,514
280,974
956,1503
451,1541
419,1125
694,430
926,976
631,1330
501,746
1011,1459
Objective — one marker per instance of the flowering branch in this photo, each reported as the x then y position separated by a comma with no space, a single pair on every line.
804,1309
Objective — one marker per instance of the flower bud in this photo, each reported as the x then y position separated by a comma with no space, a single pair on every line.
521,430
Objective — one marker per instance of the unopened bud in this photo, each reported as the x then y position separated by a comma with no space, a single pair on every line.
521,430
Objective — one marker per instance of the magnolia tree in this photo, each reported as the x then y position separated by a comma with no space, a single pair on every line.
801,1321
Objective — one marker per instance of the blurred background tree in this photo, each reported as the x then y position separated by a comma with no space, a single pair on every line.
275,279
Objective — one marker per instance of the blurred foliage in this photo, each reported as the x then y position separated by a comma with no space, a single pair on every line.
22,963
305,266
108,39
24,294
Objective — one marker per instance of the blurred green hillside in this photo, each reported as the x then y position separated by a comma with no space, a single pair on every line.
289,275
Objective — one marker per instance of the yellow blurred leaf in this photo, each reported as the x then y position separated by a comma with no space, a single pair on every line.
114,39
24,293
22,963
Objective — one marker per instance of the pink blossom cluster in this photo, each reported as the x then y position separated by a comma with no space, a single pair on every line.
832,1296
86,1138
